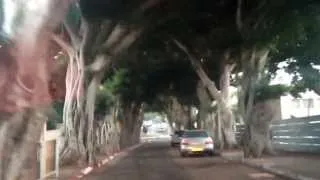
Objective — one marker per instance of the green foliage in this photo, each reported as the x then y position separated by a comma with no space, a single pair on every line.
300,49
73,17
266,92
55,115
105,100
155,67
107,92
51,124
58,107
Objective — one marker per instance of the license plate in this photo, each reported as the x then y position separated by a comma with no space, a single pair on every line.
196,149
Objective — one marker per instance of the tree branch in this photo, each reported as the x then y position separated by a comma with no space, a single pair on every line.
106,28
232,66
89,34
63,44
208,83
128,40
75,39
99,64
149,4
116,34
239,16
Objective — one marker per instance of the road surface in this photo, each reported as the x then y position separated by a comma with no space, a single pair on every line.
158,161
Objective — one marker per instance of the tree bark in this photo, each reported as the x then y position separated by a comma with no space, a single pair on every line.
90,66
221,97
257,135
256,138
89,115
130,125
24,90
177,113
226,114
205,105
19,144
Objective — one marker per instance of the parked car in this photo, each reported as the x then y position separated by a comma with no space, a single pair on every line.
196,142
176,138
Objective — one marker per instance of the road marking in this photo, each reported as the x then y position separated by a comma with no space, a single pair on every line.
87,170
260,175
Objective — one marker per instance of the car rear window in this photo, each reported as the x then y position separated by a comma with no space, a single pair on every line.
191,134
179,133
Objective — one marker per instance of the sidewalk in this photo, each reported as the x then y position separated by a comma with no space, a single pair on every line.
72,172
296,166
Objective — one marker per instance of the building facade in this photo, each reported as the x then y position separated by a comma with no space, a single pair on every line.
306,105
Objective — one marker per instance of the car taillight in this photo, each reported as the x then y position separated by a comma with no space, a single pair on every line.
209,141
184,142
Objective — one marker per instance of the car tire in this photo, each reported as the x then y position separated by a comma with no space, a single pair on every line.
211,153
183,154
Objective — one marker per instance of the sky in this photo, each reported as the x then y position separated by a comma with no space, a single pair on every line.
282,78
35,12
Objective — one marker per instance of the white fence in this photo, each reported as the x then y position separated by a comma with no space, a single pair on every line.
48,153
297,135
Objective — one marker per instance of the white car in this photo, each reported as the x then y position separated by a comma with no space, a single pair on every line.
196,142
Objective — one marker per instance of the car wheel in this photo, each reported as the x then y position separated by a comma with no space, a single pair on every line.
211,153
183,154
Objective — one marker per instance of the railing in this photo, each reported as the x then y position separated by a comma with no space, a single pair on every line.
298,135
48,153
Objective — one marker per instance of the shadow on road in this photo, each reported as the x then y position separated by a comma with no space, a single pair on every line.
149,162
159,161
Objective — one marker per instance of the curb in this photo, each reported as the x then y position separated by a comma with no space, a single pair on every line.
281,173
285,174
85,171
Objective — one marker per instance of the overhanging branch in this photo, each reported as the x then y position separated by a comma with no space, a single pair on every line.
116,34
208,83
239,15
149,4
63,44
128,40
75,39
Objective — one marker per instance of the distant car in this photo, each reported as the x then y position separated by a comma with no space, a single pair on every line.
196,142
176,138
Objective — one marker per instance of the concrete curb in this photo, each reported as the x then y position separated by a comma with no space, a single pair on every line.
285,174
238,157
85,171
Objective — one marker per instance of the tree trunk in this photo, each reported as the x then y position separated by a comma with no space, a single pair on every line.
89,115
74,147
257,135
177,113
226,114
255,140
19,143
187,113
221,97
24,90
219,141
205,104
130,125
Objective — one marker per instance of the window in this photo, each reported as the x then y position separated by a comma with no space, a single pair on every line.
311,103
296,103
178,133
308,103
194,134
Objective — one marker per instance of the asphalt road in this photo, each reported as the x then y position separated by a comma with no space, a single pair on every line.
158,161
